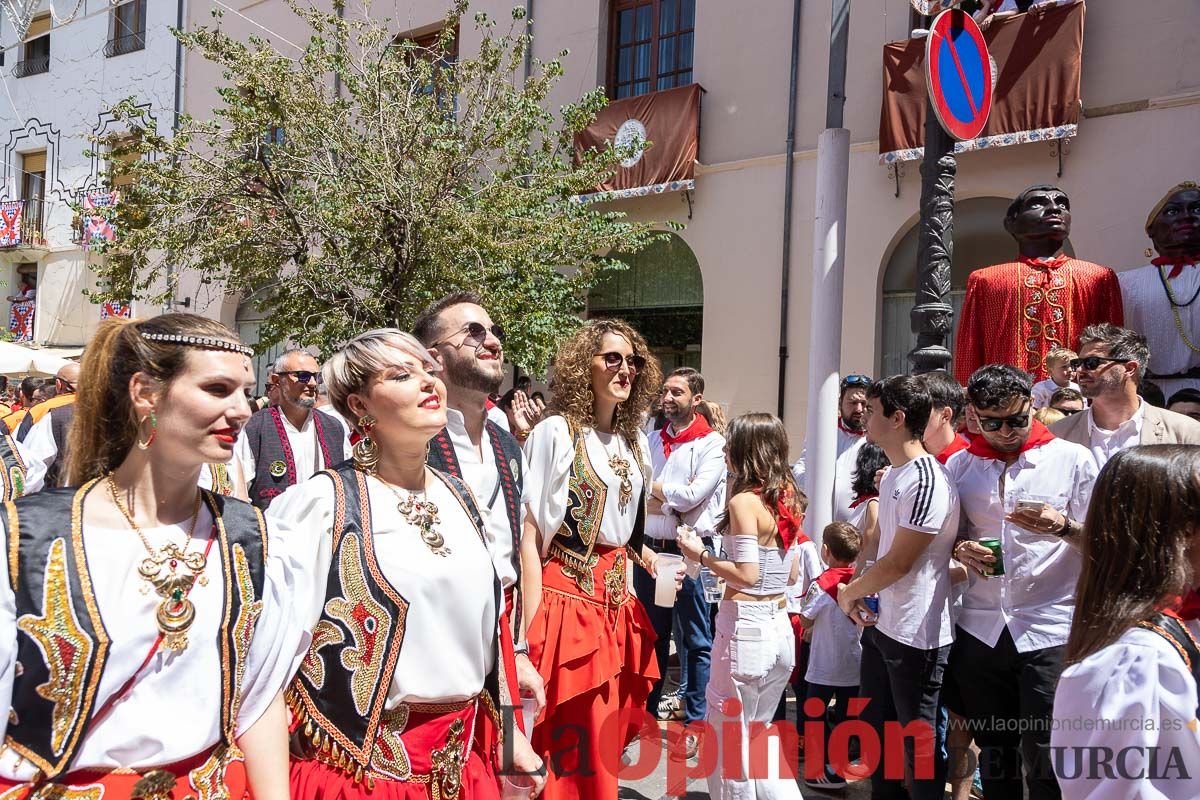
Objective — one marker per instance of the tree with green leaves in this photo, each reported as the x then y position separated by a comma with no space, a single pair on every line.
346,186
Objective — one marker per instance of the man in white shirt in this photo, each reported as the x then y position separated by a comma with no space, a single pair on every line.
1112,361
905,646
687,461
460,334
852,414
1018,484
289,443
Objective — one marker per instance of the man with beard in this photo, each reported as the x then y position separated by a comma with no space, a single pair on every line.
472,447
687,460
290,442
1021,486
1016,313
1161,298
852,416
1111,363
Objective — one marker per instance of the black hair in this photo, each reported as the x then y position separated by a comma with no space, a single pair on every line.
1122,343
867,462
695,380
995,385
904,393
858,382
426,325
1152,393
1188,395
28,386
1018,202
945,392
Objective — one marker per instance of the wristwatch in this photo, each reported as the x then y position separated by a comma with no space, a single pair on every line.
1068,529
521,649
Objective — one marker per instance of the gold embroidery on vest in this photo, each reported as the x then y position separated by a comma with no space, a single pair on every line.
313,666
64,645
367,620
389,755
243,630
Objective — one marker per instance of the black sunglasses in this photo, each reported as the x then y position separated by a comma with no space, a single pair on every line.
476,332
1092,362
1067,411
612,362
303,375
993,424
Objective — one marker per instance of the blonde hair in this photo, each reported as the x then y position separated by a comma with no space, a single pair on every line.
714,414
572,381
349,370
1048,415
1059,355
105,425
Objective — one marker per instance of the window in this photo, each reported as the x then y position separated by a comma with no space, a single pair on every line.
650,46
35,53
127,28
120,156
33,187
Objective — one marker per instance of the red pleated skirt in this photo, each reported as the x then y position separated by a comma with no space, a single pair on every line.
220,772
594,648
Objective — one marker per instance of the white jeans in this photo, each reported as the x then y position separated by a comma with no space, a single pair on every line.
753,654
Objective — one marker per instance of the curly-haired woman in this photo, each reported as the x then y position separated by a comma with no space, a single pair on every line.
589,637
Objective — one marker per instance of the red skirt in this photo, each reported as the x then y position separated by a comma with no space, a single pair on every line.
221,772
594,648
447,749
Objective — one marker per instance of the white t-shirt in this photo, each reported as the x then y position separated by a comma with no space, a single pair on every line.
836,651
915,610
1044,390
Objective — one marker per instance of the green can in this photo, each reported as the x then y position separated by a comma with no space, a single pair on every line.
994,546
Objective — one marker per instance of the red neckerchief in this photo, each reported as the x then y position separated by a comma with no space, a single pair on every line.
489,404
858,501
842,427
1176,264
697,430
1038,436
787,521
958,444
1186,607
831,577
1044,268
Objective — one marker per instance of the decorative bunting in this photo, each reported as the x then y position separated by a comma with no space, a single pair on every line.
98,228
10,222
20,320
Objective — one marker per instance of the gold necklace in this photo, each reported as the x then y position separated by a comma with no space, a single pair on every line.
1162,273
172,571
620,467
421,514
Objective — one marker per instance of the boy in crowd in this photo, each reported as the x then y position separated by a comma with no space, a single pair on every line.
835,650
1058,364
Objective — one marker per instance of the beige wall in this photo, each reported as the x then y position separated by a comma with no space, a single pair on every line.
1115,170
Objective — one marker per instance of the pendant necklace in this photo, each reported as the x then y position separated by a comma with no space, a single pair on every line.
421,514
172,571
620,467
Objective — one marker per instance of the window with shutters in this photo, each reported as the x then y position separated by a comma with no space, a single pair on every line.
35,52
33,187
650,46
127,28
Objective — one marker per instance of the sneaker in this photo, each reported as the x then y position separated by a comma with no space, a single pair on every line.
671,707
829,782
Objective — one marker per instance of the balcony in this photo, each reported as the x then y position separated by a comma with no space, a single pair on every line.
22,224
120,45
31,66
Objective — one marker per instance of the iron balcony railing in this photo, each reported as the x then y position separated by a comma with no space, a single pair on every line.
120,45
31,66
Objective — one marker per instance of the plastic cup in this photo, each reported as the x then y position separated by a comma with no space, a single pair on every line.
529,713
664,585
516,787
711,585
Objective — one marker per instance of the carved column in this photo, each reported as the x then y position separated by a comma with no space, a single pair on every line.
933,316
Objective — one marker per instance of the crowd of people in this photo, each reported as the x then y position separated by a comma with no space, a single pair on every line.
386,578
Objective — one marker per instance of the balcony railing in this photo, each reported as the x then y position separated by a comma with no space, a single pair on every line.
120,45
26,231
31,66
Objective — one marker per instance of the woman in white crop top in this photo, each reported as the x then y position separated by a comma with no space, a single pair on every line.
754,650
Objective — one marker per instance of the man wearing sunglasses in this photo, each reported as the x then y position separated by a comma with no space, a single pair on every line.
289,442
852,417
1021,485
1111,363
43,432
473,447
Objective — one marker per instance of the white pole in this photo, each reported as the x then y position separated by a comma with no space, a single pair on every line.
825,325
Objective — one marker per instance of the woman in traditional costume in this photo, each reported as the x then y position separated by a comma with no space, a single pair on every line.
147,627
400,695
590,638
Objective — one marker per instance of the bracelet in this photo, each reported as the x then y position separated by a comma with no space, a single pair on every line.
521,436
703,553
521,649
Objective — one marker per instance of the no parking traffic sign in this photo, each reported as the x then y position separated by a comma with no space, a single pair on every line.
958,74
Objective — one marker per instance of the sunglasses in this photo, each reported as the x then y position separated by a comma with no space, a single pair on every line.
855,380
476,333
1067,411
612,362
1092,363
993,424
303,375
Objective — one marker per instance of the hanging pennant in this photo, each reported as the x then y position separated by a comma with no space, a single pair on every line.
114,309
98,228
10,222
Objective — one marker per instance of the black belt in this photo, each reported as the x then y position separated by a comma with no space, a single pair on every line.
1191,374
670,546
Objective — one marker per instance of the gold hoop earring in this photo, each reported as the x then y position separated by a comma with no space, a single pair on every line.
153,431
366,450
1149,253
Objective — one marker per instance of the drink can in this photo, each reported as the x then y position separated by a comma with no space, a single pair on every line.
994,546
871,601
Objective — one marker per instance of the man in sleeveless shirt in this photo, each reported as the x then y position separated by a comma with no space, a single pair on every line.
460,334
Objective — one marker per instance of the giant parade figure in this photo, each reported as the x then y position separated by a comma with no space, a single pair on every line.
1017,312
1160,298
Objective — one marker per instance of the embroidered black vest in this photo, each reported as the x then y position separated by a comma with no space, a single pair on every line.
60,428
62,643
274,462
507,454
586,492
12,479
341,707
1178,636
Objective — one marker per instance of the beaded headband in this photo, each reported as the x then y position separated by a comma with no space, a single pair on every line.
198,341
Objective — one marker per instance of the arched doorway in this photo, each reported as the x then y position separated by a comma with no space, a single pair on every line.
662,295
979,241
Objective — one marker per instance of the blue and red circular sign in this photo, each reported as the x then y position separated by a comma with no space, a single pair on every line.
958,74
